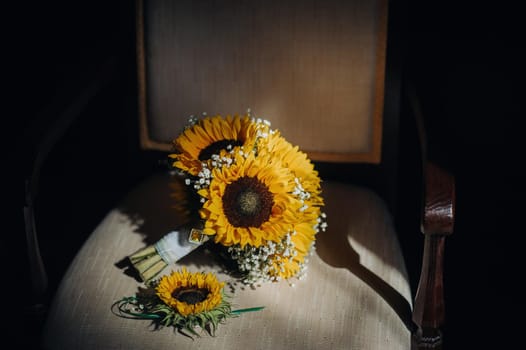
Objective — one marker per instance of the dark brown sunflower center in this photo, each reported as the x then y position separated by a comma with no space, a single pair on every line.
247,202
214,148
190,295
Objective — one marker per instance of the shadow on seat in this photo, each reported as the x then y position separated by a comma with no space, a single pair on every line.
336,247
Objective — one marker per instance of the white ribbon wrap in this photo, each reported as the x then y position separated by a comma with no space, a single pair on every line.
177,244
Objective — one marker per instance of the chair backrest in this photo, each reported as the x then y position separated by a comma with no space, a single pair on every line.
315,69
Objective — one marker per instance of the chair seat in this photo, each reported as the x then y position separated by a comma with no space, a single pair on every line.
356,294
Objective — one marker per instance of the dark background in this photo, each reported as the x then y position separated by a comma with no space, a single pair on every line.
465,58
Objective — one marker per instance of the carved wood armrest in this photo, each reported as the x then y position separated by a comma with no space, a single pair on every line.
437,223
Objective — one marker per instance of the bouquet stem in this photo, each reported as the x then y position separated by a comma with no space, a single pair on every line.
151,260
147,262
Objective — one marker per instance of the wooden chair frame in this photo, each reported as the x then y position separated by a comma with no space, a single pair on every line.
437,219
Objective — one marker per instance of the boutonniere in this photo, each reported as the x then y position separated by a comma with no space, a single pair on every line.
183,300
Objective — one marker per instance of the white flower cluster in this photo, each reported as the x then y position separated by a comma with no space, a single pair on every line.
192,120
261,264
267,262
322,223
300,192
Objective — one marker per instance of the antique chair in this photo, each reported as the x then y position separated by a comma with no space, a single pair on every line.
328,75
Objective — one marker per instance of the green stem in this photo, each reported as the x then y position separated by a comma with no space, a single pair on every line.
240,311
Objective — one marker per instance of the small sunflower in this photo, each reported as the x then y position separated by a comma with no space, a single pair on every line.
182,300
208,136
190,293
250,201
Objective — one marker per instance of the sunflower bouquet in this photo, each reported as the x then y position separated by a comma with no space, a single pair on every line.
259,199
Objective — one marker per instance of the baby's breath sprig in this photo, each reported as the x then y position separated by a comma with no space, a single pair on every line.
269,262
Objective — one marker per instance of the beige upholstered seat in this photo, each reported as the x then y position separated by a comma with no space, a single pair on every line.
355,296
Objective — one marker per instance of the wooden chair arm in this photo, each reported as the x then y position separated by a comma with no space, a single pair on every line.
437,222
439,203
51,136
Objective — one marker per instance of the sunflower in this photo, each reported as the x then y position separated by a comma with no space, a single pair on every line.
250,201
307,178
190,293
285,258
183,300
291,262
208,136
308,191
